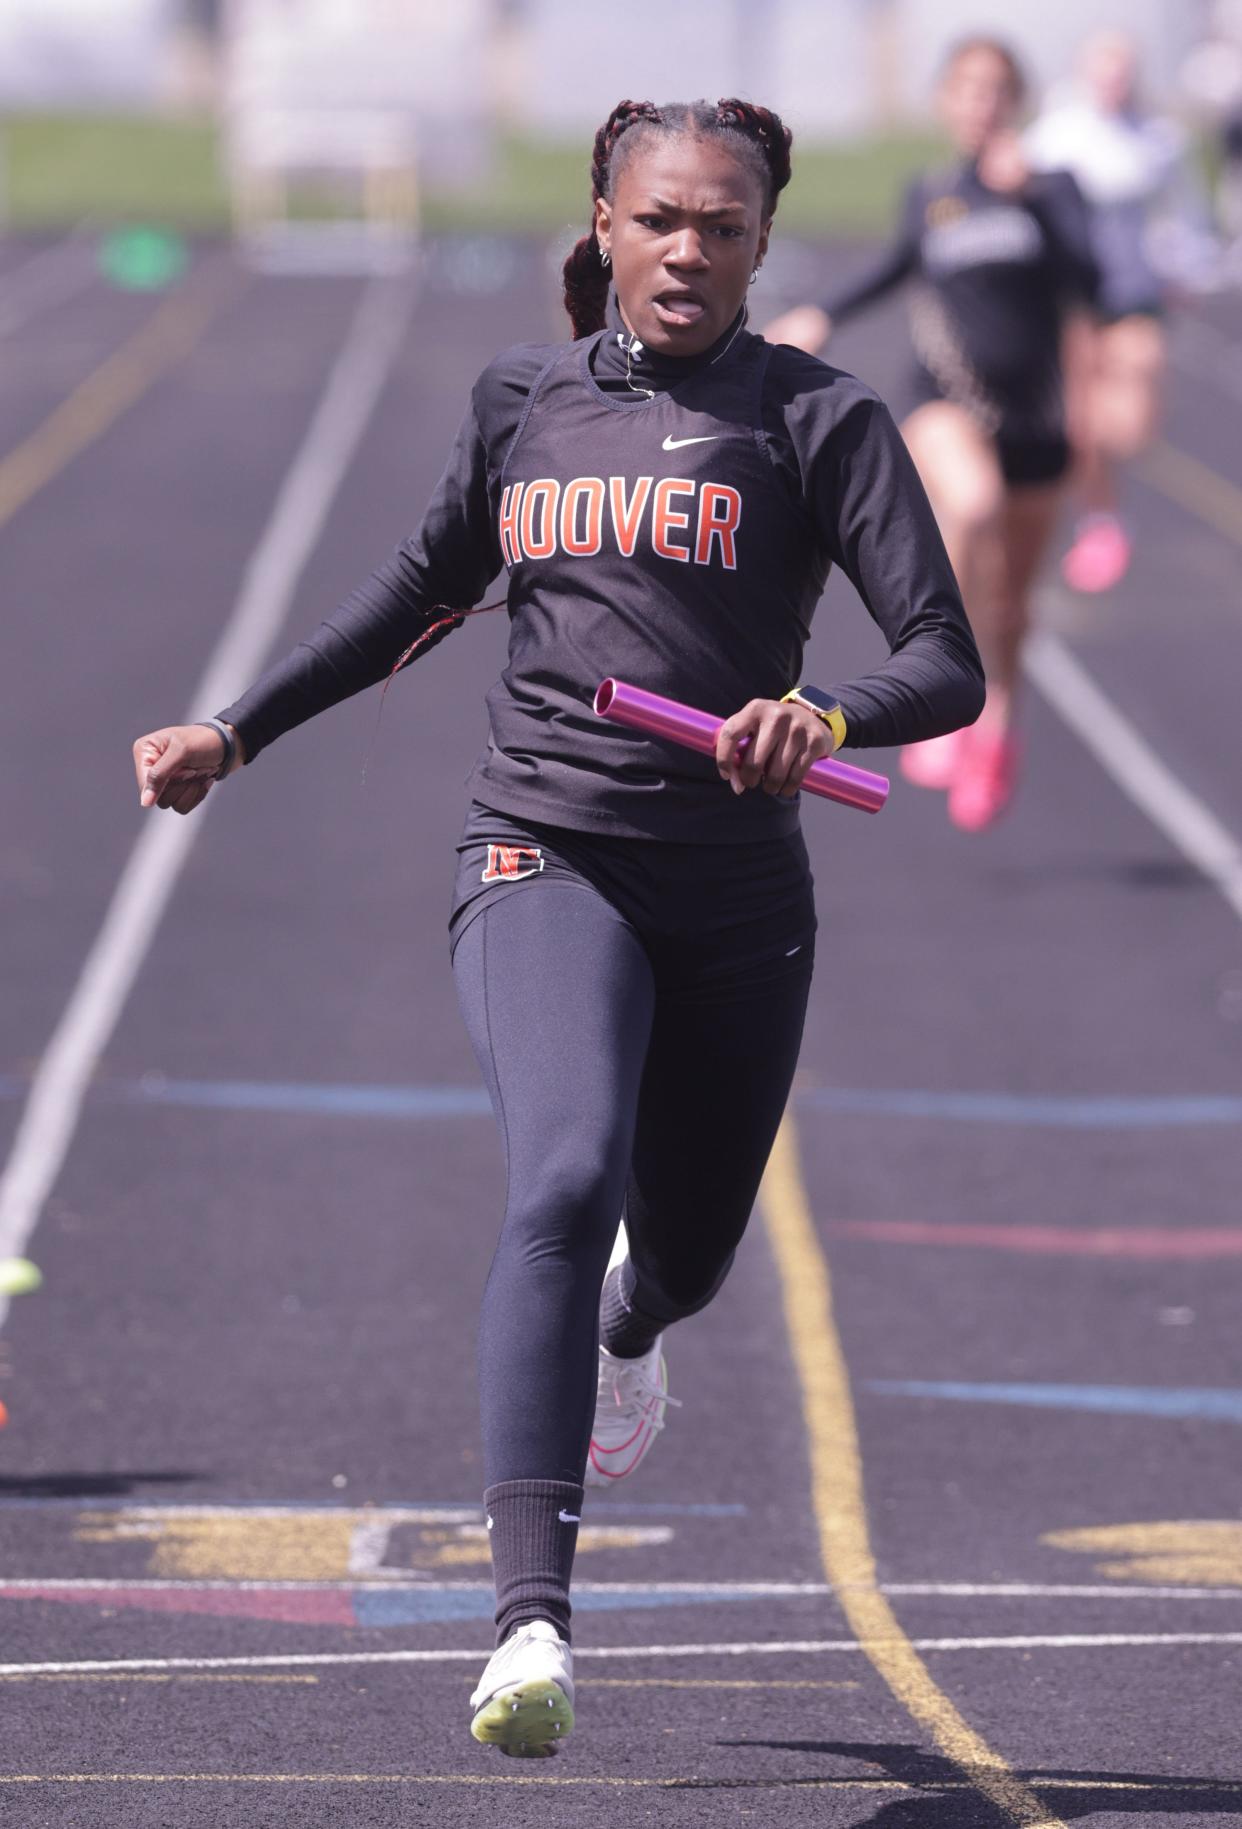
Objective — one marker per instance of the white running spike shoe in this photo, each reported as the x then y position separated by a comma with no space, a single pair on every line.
630,1402
524,1703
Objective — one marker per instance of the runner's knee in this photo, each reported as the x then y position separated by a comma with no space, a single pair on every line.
573,1205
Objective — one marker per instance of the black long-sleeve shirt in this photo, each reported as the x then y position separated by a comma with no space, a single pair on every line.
670,522
996,270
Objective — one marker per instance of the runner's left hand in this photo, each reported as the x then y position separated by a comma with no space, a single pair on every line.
784,740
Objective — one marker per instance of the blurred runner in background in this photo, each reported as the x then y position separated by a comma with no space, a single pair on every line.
1149,230
998,257
1211,81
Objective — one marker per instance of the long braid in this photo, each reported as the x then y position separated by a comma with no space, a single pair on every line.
584,273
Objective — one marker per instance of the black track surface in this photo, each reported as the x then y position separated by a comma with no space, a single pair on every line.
247,1308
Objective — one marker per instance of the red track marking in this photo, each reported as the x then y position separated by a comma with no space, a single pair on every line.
1055,1241
291,1606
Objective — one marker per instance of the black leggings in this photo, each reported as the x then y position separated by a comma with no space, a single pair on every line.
637,1009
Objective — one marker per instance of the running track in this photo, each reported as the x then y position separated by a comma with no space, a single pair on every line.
947,1531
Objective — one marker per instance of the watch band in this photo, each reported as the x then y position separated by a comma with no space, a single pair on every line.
824,706
229,741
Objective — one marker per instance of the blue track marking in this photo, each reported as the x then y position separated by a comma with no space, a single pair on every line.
1037,1110
336,1101
1104,1399
340,1100
406,1608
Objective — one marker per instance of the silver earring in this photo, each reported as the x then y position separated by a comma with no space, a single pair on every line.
754,275
605,258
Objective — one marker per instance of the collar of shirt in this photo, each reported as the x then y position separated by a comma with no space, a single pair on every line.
622,361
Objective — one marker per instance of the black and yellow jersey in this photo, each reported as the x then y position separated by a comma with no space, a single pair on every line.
993,275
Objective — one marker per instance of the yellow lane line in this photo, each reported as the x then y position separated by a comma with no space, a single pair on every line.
837,1491
110,390
1195,486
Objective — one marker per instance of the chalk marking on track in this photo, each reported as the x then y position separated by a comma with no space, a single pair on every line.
838,1496
893,1646
1125,755
50,1117
117,384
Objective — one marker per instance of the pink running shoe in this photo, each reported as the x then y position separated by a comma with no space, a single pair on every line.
985,780
1100,555
934,763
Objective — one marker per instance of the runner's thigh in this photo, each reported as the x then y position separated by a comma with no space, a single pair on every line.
957,464
556,990
717,1078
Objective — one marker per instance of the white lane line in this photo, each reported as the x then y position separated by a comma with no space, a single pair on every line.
1029,1590
147,880
1125,755
46,280
1077,1641
1071,1641
400,1582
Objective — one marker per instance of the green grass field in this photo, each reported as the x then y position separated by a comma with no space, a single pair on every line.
58,169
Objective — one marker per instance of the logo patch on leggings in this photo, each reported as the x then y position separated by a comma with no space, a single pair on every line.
510,863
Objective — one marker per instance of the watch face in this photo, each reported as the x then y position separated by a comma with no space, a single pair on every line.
818,701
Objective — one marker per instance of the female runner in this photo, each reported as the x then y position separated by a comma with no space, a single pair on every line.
998,256
632,925
1128,165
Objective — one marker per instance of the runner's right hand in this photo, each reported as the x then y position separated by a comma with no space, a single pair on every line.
175,766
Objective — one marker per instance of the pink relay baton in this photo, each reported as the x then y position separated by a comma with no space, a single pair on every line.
660,717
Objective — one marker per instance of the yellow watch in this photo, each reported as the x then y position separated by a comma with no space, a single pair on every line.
824,706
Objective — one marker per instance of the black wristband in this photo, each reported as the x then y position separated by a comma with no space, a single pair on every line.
229,740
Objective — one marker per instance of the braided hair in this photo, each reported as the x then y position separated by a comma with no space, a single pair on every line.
759,138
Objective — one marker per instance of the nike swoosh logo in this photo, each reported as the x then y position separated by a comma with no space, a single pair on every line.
675,444
569,1517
